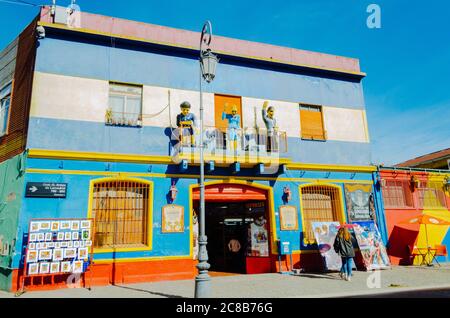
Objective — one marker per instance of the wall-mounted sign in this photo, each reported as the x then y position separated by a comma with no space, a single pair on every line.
46,190
172,218
360,205
288,218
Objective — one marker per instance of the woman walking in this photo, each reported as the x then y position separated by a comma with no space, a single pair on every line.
343,245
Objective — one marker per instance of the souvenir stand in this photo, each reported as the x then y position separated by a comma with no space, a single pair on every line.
58,247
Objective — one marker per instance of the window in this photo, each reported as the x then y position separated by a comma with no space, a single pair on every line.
311,121
319,204
5,102
121,213
397,194
431,195
125,105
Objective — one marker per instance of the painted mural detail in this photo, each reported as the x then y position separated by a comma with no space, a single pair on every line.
371,246
360,202
325,234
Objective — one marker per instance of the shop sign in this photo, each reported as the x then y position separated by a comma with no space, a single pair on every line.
46,190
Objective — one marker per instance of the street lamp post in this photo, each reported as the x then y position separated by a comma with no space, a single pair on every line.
208,64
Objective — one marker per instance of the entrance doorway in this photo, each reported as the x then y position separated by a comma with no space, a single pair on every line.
237,227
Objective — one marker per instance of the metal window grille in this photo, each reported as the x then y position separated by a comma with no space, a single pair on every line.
319,204
431,195
397,194
120,211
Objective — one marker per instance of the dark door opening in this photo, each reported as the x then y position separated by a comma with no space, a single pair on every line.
238,235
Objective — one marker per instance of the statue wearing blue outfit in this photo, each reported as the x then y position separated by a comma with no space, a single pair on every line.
234,123
186,121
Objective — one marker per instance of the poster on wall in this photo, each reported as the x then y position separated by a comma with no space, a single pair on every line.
325,233
172,218
52,243
258,241
360,205
288,218
371,246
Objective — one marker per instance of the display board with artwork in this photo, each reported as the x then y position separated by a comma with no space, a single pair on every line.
58,246
258,241
360,204
325,234
172,218
371,246
288,218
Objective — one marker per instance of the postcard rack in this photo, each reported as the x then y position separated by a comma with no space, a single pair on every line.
58,248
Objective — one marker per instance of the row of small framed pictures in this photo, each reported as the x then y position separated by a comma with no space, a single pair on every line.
45,245
55,267
60,236
57,254
55,226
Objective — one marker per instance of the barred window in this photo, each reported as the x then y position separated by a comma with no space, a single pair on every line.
397,194
431,195
121,212
319,204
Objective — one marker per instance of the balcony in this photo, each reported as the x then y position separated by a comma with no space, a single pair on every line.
123,119
222,145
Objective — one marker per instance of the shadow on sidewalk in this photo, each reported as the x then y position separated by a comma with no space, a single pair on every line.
319,275
149,292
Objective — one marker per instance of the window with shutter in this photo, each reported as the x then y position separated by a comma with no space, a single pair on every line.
311,122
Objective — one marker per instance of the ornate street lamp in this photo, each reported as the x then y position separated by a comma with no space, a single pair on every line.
208,64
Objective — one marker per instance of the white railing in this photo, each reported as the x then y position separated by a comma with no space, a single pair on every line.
239,141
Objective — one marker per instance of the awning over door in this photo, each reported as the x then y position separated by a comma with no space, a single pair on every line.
230,192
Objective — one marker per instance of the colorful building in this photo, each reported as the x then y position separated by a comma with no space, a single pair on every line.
407,193
435,160
94,107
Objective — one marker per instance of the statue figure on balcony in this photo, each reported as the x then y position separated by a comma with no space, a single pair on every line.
271,126
186,121
234,124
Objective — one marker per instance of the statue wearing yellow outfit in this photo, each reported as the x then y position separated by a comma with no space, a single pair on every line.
186,121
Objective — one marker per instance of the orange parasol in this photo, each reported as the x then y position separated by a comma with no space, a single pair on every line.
425,219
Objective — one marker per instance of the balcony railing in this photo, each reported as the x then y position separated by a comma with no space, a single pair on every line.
218,140
123,119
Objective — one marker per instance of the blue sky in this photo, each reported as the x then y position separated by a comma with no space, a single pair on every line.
407,61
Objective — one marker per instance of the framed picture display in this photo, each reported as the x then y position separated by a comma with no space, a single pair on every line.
33,269
70,253
32,246
33,237
69,244
48,236
57,244
66,267
54,267
51,244
77,267
58,254
288,218
44,268
75,225
60,236
34,227
32,256
65,225
67,236
83,253
44,226
86,224
45,255
85,235
172,218
55,226
40,237
63,244
75,236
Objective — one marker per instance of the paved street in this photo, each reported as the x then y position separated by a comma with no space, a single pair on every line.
394,282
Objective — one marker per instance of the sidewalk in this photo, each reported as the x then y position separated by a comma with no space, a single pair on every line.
304,285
